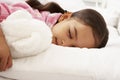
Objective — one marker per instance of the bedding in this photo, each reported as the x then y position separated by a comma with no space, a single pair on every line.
118,27
67,63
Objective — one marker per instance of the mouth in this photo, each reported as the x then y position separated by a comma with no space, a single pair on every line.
54,41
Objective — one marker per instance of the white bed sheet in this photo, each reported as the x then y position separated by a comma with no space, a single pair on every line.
65,63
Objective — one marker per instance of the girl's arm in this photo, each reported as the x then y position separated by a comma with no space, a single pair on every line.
5,56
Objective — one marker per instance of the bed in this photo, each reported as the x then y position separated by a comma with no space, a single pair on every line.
67,63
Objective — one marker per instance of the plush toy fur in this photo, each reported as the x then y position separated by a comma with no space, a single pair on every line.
26,36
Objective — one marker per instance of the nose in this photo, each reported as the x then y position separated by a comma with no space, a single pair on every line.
57,41
63,42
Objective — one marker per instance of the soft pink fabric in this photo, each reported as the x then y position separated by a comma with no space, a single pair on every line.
49,18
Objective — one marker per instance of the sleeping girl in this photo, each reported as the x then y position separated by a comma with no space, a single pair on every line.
84,28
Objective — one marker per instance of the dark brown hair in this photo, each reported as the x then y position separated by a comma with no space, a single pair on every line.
96,22
88,16
50,6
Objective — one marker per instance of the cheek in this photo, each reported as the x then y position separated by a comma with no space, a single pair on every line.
57,30
59,33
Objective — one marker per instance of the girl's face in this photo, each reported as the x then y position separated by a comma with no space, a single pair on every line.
72,33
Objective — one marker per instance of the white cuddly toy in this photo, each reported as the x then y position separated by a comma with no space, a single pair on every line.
26,36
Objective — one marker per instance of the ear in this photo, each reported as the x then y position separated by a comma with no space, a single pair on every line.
65,16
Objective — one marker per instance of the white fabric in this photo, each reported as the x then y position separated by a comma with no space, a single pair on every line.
26,36
112,12
114,5
70,5
119,26
111,19
11,1
67,63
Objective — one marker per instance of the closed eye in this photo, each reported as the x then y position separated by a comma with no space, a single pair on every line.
73,46
69,34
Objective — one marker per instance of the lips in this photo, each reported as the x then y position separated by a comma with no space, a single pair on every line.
55,41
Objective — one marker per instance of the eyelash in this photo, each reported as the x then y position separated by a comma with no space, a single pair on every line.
70,36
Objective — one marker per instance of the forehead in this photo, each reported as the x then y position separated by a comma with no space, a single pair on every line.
84,34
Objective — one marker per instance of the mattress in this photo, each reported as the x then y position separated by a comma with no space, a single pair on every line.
67,63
